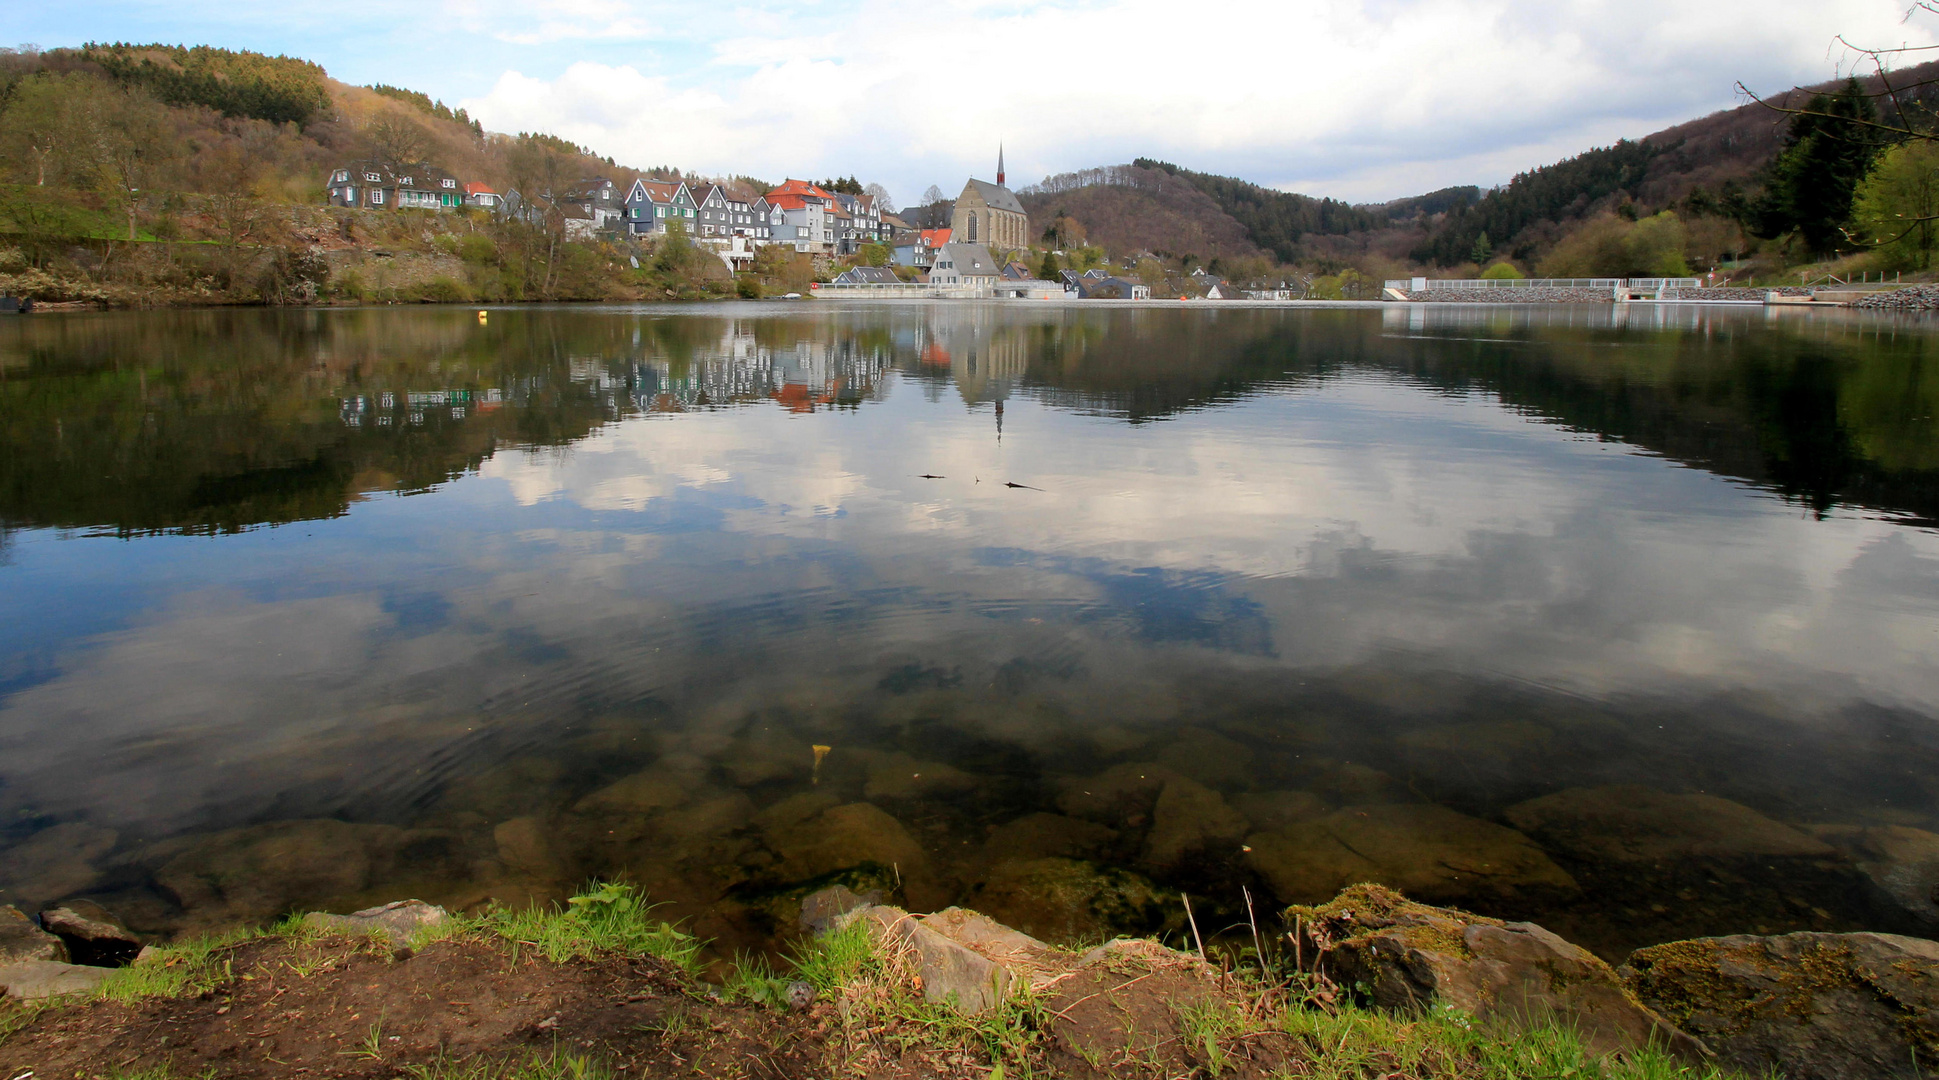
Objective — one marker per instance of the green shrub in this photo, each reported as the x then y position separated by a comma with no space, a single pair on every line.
442,290
1502,271
607,918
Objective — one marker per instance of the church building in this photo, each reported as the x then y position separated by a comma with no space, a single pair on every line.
990,214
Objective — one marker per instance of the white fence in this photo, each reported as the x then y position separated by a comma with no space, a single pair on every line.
1612,284
923,290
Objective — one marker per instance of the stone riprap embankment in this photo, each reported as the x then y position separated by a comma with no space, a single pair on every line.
1910,298
1513,296
1751,294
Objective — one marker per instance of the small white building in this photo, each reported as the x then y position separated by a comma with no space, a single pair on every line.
964,265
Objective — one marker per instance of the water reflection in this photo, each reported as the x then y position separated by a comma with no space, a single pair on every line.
1433,597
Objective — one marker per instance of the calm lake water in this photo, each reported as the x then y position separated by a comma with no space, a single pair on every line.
1626,621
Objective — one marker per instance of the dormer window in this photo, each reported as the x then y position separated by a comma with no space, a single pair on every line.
450,183
405,180
372,177
341,176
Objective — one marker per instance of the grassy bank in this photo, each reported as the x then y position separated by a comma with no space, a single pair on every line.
603,989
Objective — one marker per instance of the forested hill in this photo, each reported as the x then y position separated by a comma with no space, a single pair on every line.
1720,156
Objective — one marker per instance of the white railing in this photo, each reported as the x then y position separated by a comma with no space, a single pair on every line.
1433,284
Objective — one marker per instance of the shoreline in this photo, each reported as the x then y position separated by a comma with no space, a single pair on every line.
1367,983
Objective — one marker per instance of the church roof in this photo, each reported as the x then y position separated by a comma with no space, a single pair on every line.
996,196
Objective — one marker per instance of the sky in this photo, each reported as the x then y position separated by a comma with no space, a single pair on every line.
1363,100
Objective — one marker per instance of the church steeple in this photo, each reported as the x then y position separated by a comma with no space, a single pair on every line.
999,164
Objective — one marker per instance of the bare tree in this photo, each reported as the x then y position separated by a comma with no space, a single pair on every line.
932,195
881,196
1904,111
396,141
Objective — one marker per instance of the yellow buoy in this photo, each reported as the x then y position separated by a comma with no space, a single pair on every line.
820,752
481,316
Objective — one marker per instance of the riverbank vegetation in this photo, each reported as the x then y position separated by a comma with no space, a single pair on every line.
602,988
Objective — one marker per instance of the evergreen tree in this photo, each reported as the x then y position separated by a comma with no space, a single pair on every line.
1048,271
1809,188
1483,250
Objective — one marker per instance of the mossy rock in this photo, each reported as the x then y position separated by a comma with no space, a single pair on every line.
1808,1005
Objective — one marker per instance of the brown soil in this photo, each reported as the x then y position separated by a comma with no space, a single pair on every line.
338,1007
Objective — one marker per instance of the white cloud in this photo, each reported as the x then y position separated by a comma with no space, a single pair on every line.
1358,99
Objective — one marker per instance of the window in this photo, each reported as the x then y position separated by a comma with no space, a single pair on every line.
372,177
450,183
377,198
341,176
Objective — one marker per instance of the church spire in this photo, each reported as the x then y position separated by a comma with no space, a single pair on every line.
999,164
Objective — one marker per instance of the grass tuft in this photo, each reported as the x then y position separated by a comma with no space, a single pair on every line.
607,918
183,969
555,1065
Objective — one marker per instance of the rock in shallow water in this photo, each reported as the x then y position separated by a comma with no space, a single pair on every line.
1624,823
94,935
1901,863
1067,900
1809,1006
1422,849
1405,955
397,920
21,940
54,863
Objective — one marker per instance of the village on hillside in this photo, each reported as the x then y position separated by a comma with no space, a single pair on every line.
981,254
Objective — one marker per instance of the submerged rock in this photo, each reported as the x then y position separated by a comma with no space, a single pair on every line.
32,980
1190,817
261,871
1630,823
1067,900
1044,836
21,940
657,788
1121,794
896,775
94,935
1268,810
53,863
1209,758
1809,1006
1902,863
1422,849
1406,955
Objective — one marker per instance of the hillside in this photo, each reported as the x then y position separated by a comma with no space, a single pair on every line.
1713,155
1131,208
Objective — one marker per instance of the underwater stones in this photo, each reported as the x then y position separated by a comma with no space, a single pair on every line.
1209,758
844,837
1407,955
264,870
1043,836
53,863
657,788
1190,817
896,775
824,909
397,920
1423,849
1068,900
33,980
1902,863
92,933
1277,809
1120,794
21,940
1349,784
1630,823
1810,1006
525,847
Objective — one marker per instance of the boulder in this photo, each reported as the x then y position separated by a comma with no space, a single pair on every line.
1423,849
1627,823
896,775
1044,836
397,921
1120,795
826,909
1902,864
1190,817
657,788
1808,1006
1405,955
527,851
963,958
1268,810
53,863
31,980
841,837
21,940
93,934
262,871
1209,758
1067,900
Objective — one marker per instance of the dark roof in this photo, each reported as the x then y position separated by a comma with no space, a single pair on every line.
996,196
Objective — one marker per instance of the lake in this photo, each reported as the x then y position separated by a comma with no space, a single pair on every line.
1620,619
